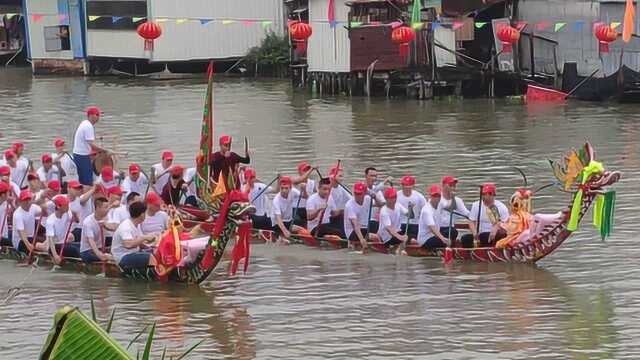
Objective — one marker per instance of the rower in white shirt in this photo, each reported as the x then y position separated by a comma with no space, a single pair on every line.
413,201
63,160
339,198
136,181
48,171
429,235
93,245
18,168
156,221
390,215
493,213
45,197
189,178
25,218
5,176
58,231
80,203
18,149
376,198
108,177
5,208
319,206
120,212
304,172
356,217
282,208
160,172
259,197
450,210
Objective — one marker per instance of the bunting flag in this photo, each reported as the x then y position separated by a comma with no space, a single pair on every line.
457,25
181,21
629,20
136,19
37,17
355,24
205,21
62,17
161,20
480,25
615,24
559,26
331,13
579,26
415,12
94,18
266,24
247,22
227,22
115,19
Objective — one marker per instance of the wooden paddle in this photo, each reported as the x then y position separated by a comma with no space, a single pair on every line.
4,219
153,174
476,241
104,250
325,209
265,189
295,211
66,238
34,241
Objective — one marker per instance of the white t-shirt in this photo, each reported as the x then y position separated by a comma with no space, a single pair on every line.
139,186
126,231
379,197
15,188
340,197
57,227
314,203
4,221
189,178
47,175
485,224
18,173
108,184
118,215
427,218
443,215
162,177
311,189
284,207
155,224
390,217
81,211
355,211
91,230
26,221
261,203
84,134
418,202
68,165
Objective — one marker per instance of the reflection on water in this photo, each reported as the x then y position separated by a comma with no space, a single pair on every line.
306,303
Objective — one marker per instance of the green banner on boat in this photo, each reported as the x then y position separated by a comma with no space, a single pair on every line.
603,213
593,168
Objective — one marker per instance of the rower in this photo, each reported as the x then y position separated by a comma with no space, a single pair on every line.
34,183
5,209
156,221
190,179
128,239
413,201
173,189
356,216
25,217
338,199
119,212
5,176
84,143
225,161
91,244
59,237
390,215
429,235
375,192
494,212
282,209
160,171
64,161
446,207
135,182
44,197
17,168
108,177
48,171
304,172
258,194
319,207
18,148
80,204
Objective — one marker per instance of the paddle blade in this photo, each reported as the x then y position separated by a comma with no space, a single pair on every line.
74,334
448,256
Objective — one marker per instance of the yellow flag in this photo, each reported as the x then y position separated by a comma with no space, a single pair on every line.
221,188
629,20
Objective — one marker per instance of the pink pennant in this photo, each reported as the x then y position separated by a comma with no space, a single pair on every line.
457,25
542,25
36,17
62,17
247,22
521,25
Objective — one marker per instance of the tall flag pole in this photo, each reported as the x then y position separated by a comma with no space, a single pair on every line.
206,140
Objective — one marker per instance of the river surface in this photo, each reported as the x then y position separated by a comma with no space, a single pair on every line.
296,302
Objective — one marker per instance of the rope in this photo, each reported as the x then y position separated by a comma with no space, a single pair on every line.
15,290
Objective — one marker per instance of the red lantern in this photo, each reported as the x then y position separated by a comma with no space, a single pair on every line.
403,35
605,35
508,36
300,32
149,31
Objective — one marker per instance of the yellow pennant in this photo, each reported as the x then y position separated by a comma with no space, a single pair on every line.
94,18
181,21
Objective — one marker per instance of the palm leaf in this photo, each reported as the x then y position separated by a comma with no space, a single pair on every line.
190,349
75,334
147,346
110,322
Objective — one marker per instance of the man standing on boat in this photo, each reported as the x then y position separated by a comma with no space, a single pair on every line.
429,235
413,201
493,213
390,214
226,161
84,143
450,208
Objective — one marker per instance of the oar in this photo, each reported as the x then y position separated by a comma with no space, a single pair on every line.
478,219
35,237
295,212
104,249
325,209
584,81
265,189
153,170
369,217
339,183
4,219
25,173
66,237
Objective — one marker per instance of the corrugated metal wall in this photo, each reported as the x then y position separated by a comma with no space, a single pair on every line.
577,43
50,11
329,49
115,43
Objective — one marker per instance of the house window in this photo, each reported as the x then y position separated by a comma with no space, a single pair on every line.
56,38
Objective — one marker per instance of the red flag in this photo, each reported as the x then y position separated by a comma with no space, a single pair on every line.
242,249
331,15
629,21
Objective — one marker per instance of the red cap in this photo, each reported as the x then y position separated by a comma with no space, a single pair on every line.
134,169
32,176
58,142
167,155
5,170
153,199
17,146
488,189
61,200
93,152
4,187
408,180
304,167
249,173
46,158
9,154
25,195
225,140
435,190
93,110
115,190
107,173
54,185
359,188
177,170
390,193
74,184
285,180
449,180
